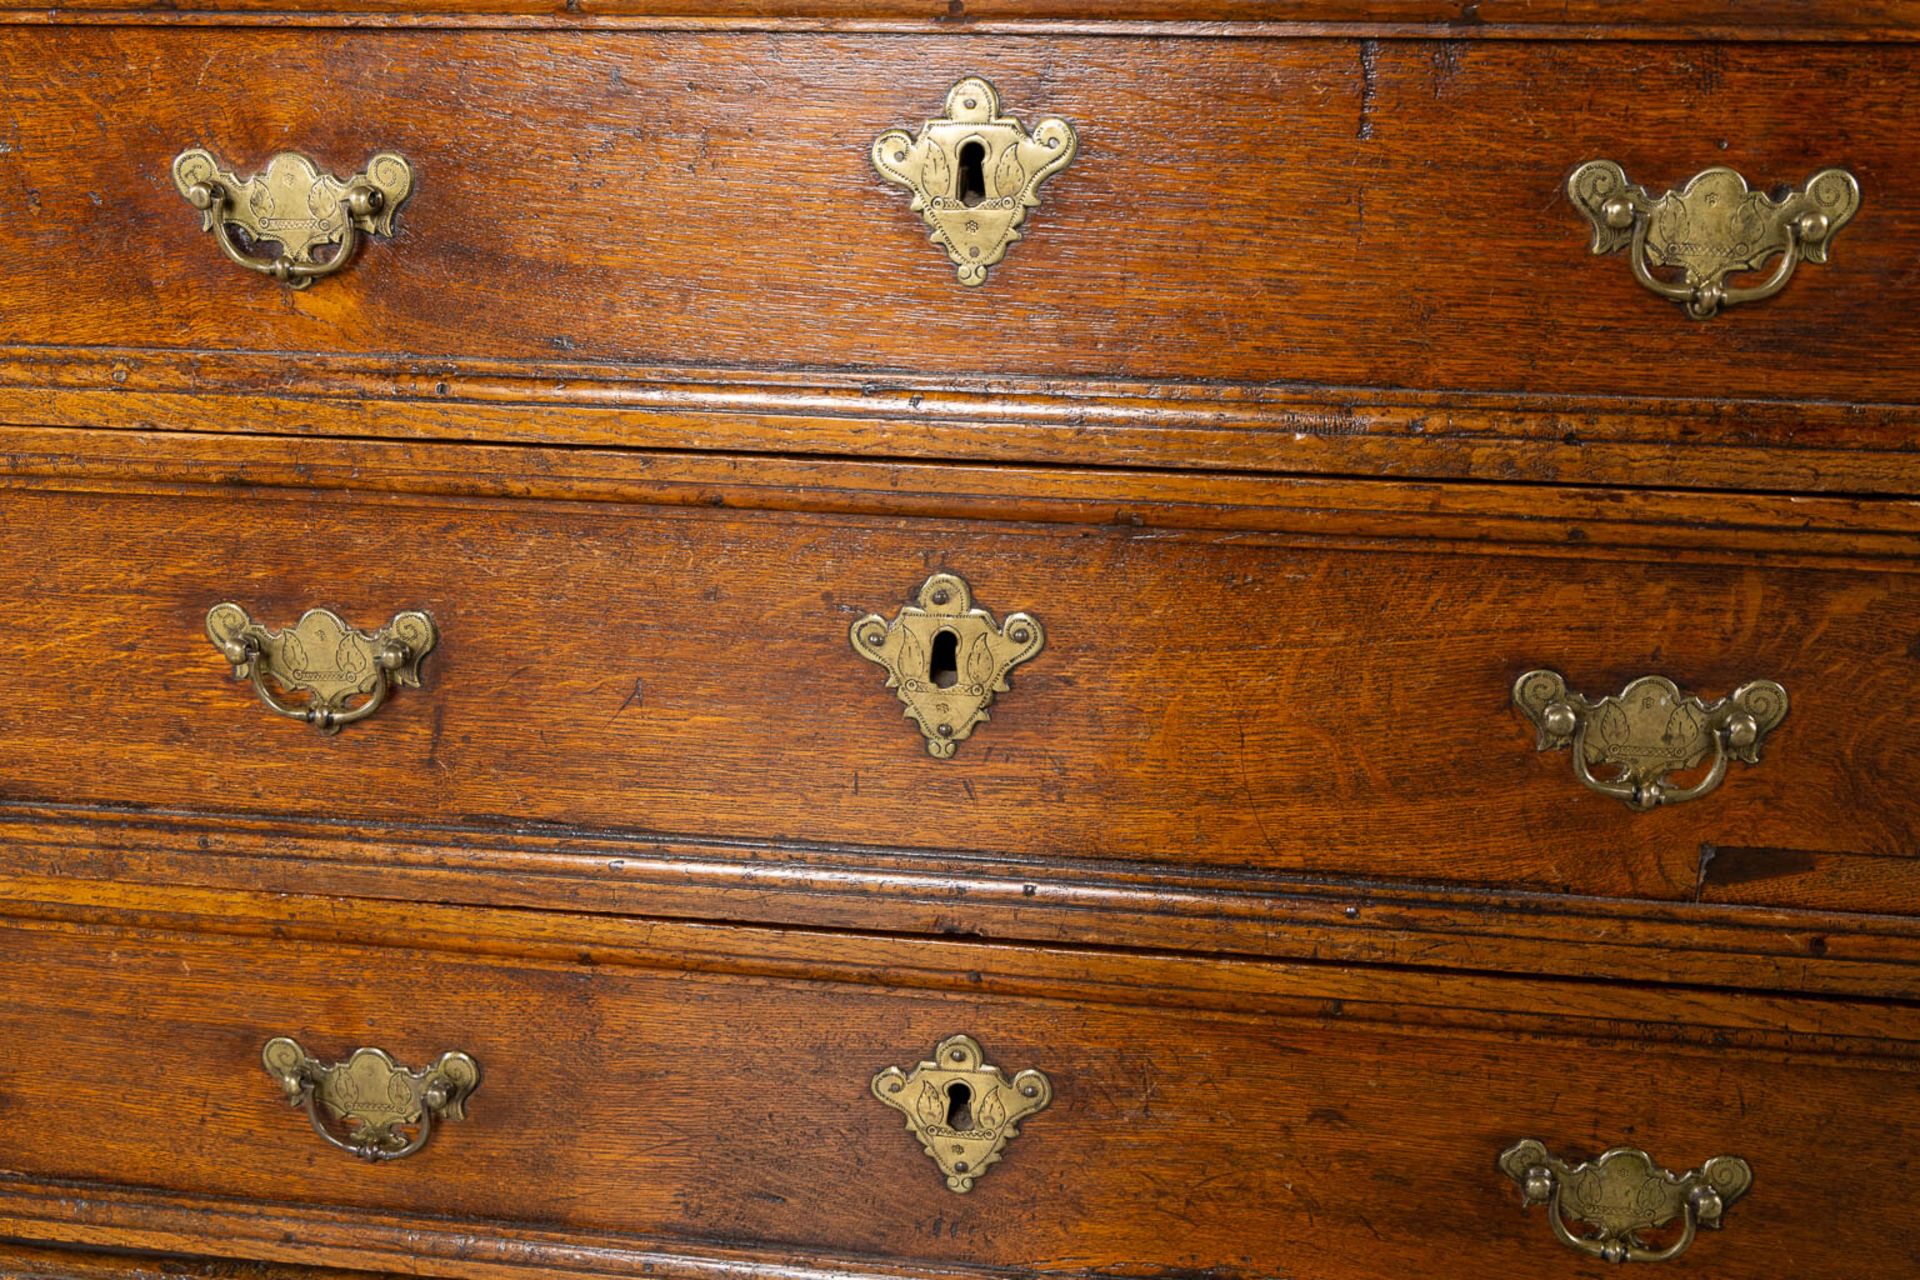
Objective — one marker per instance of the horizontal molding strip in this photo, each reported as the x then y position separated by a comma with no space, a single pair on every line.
1760,445
1215,21
111,1217
1396,998
1169,907
1883,534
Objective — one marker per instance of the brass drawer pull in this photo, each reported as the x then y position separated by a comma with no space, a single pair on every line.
1711,228
389,1111
947,659
1648,731
963,1111
974,173
324,658
1622,1194
295,207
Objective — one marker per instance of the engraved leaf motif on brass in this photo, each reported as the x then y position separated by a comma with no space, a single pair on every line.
975,173
323,658
389,1111
313,220
1638,738
947,704
1711,228
1622,1194
964,1111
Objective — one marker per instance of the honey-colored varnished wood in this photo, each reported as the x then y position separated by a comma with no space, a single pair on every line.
1299,426
1784,20
1237,700
722,1114
1319,212
24,1262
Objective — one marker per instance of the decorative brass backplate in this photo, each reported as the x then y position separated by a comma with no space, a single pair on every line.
325,659
315,220
946,658
1649,730
974,173
963,1111
1622,1194
389,1111
1711,228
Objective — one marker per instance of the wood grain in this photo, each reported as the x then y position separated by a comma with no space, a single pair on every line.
1223,700
24,1263
717,1111
1498,519
1709,444
1166,907
1459,19
1381,219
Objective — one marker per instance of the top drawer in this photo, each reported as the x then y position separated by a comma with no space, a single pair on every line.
1335,212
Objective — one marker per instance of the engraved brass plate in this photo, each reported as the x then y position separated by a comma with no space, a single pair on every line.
974,173
963,1111
1711,228
946,658
325,659
311,220
388,1111
1622,1194
1648,731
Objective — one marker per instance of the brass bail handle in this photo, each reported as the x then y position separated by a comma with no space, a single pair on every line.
293,205
1622,1194
324,658
388,1111
1647,731
1711,228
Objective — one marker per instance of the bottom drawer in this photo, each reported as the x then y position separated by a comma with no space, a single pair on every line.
683,1097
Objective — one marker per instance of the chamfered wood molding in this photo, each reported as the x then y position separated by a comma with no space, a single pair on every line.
1311,990
1771,20
1768,445
1574,521
28,1262
1729,937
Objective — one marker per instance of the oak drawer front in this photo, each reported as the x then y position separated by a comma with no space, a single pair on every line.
1218,701
1326,211
1298,1134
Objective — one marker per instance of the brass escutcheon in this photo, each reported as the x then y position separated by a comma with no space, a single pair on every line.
313,219
389,1111
1712,227
974,173
963,1111
325,659
1648,731
1622,1194
946,658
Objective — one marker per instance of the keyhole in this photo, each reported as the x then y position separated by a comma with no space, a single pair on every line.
973,173
959,1107
943,669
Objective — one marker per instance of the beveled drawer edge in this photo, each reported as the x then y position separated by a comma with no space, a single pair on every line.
1401,1000
1167,908
105,1216
1219,23
1728,444
24,1262
1435,517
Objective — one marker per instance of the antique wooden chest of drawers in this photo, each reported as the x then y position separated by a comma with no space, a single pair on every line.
850,638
